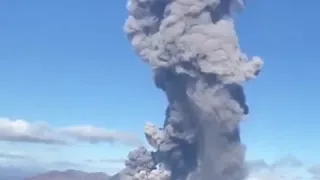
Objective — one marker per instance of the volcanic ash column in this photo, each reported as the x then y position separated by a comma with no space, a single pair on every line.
193,50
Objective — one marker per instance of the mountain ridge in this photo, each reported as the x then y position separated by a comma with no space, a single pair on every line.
70,174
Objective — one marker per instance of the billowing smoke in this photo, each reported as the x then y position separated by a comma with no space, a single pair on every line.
193,50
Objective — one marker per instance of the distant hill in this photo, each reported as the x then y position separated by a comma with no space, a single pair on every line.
70,175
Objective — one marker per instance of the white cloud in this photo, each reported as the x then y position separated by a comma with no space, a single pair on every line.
24,131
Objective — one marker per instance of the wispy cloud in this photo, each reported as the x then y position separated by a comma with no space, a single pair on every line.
89,161
66,164
94,135
53,148
256,165
12,155
112,160
106,160
315,170
24,131
286,168
288,160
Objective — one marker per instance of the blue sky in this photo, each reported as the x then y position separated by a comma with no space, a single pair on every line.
69,63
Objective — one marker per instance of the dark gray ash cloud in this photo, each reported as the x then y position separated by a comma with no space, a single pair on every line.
193,50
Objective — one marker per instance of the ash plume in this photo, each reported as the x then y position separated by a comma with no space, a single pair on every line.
193,50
